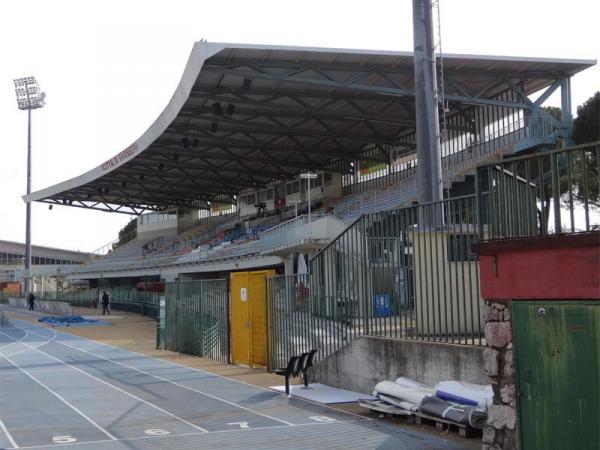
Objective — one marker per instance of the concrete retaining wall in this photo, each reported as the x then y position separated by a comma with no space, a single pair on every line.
367,360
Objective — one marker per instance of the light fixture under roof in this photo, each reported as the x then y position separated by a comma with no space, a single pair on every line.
216,107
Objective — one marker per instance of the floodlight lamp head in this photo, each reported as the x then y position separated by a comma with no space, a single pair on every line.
29,95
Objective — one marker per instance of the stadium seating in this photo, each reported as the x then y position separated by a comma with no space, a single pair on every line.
230,236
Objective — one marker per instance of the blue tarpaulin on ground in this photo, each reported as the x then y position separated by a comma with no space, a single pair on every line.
72,321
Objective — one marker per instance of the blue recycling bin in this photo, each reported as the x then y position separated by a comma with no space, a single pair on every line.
381,305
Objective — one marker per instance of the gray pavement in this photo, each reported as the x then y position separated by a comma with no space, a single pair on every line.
59,389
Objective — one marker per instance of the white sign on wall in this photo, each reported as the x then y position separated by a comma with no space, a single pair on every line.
243,294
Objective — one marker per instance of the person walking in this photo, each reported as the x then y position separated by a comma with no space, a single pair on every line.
31,301
105,302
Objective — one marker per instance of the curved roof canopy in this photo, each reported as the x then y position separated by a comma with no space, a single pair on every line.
244,116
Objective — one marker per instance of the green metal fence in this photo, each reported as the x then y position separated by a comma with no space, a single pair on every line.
196,321
541,194
407,273
122,299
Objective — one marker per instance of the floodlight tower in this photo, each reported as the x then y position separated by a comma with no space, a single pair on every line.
29,96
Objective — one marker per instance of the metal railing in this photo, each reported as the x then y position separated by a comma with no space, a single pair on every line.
197,318
406,273
547,193
122,299
389,198
297,230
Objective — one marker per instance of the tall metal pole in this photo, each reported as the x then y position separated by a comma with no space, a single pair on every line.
308,184
29,97
429,187
29,283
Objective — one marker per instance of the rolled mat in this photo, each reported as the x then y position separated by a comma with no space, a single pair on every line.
397,403
402,393
407,382
465,415
465,393
450,397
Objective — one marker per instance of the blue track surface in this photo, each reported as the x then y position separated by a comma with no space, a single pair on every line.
61,389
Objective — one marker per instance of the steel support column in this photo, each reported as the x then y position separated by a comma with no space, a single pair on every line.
566,115
429,188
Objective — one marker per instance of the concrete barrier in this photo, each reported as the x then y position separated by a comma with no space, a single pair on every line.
367,360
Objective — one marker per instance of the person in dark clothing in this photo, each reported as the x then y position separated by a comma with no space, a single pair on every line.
105,302
31,301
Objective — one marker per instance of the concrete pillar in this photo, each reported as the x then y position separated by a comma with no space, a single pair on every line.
288,265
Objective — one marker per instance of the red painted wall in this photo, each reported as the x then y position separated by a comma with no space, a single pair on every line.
559,267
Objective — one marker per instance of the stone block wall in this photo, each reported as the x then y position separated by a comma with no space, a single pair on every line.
500,433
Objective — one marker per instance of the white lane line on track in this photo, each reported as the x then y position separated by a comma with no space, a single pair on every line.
238,430
170,363
8,435
30,347
16,341
121,390
158,377
74,408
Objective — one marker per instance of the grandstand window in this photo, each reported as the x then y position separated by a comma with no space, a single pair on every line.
249,199
319,181
328,178
292,188
265,195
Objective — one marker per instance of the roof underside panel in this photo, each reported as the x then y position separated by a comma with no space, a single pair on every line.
246,116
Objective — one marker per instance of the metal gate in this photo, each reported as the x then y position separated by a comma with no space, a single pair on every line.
557,353
196,319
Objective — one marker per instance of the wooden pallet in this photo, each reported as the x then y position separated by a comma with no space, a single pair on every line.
444,425
418,418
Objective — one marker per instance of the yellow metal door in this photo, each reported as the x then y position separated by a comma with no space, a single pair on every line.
240,320
248,317
258,305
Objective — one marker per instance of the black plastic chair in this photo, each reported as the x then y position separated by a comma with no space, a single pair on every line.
307,364
301,363
290,371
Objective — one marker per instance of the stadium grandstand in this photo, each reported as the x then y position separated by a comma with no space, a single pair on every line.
215,181
280,219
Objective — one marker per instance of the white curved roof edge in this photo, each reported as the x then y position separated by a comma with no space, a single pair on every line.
203,50
200,52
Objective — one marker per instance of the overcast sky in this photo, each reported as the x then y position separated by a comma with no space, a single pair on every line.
110,67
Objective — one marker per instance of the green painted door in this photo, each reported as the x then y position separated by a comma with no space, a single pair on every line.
557,351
